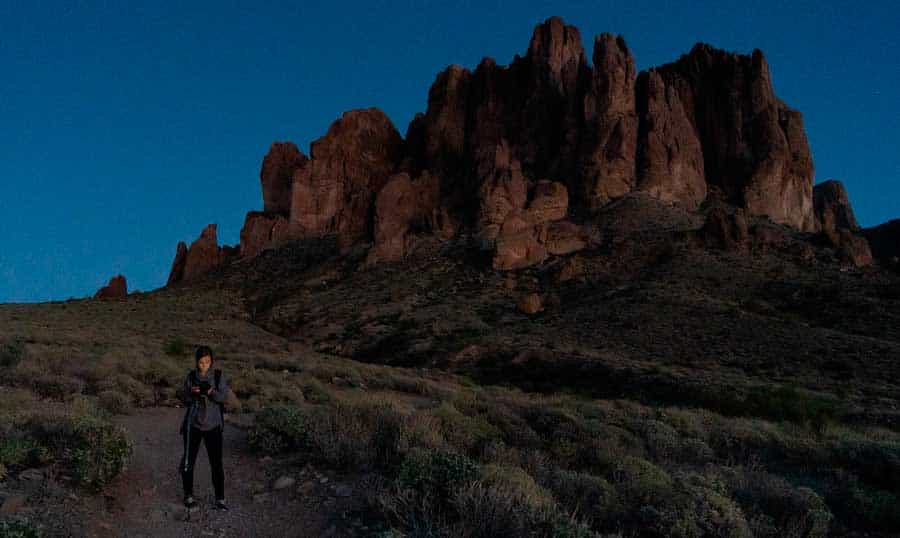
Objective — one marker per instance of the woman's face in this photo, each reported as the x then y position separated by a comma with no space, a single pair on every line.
203,364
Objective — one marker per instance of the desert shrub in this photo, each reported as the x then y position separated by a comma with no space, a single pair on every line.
16,451
506,501
436,473
665,443
469,434
126,389
878,463
161,371
514,430
58,387
18,528
608,446
865,507
789,403
258,388
581,493
699,506
425,431
640,481
115,401
101,451
84,441
278,429
421,499
314,391
778,508
12,352
176,347
359,434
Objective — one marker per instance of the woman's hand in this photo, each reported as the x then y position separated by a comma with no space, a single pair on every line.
195,390
211,391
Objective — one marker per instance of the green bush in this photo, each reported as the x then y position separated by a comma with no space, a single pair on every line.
11,353
469,434
508,502
582,493
17,528
360,434
95,449
314,391
640,481
777,505
699,506
100,451
16,452
124,389
278,429
176,347
436,473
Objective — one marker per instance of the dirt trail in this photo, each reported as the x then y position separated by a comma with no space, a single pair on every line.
145,500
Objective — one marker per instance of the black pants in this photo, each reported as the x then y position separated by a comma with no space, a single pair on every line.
213,441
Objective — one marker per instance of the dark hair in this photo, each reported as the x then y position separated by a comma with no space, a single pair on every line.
203,351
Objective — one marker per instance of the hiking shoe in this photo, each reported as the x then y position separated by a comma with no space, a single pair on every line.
220,505
189,501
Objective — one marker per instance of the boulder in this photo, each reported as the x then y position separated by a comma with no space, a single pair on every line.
549,202
531,304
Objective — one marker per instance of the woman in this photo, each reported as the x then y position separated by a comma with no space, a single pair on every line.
204,398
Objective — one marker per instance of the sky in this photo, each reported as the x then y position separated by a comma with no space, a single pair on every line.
125,129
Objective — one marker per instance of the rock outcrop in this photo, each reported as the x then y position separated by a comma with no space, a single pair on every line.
335,190
669,156
726,230
884,241
277,176
203,255
832,207
116,288
754,146
609,142
262,230
403,208
527,158
836,221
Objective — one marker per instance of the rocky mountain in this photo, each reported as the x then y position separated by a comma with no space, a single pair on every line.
527,157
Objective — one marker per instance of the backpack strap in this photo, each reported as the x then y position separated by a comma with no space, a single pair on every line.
217,375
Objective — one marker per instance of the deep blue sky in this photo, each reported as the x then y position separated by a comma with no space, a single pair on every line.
124,130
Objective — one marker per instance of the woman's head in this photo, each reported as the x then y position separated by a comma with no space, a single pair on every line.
204,359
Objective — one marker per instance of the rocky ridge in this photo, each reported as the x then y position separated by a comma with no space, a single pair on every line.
526,157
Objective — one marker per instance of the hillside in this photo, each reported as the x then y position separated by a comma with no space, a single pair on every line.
574,300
